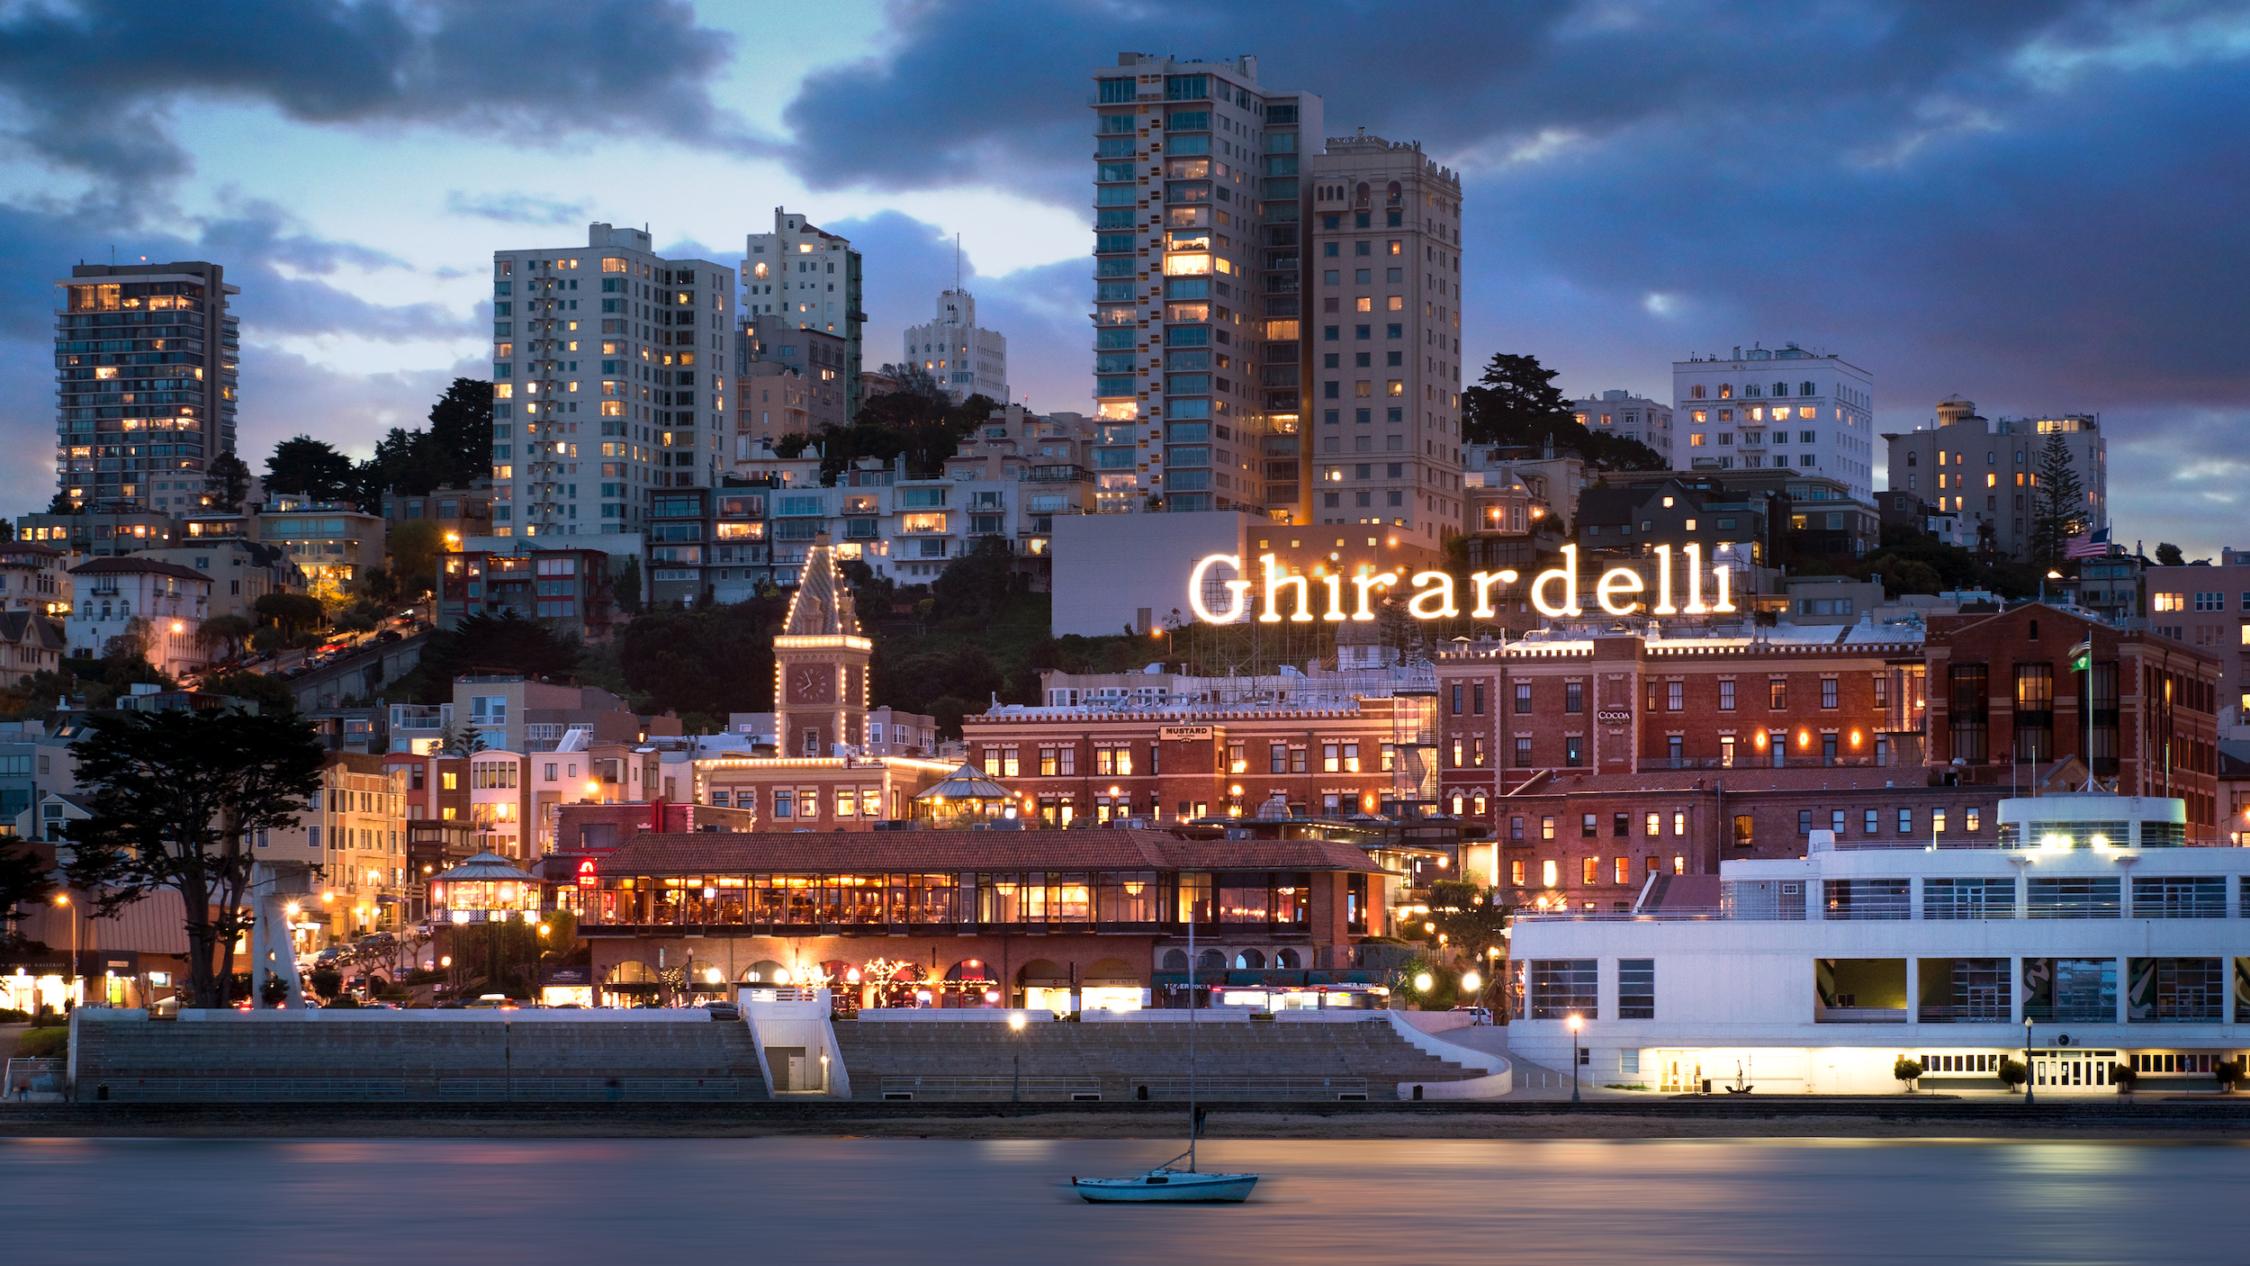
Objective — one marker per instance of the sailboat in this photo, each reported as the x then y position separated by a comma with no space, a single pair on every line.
1164,1184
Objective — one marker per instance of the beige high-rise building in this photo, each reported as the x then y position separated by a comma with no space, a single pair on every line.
1383,414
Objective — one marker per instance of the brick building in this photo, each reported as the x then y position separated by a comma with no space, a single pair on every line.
1602,755
1624,700
1595,841
1190,761
2004,693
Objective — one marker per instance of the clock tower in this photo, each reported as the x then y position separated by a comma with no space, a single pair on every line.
820,663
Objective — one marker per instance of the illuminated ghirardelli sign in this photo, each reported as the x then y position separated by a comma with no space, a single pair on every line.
1435,593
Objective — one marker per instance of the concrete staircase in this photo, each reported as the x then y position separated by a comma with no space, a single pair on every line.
985,1061
463,1059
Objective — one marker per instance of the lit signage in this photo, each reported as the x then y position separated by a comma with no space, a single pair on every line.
1183,733
586,875
1554,593
1614,716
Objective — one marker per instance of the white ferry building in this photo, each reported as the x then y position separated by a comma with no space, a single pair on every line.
2085,917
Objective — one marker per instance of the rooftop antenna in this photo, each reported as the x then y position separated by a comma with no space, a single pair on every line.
956,262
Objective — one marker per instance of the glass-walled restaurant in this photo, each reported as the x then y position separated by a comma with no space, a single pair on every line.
1105,900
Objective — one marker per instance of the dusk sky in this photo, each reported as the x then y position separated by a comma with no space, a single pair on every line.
2039,206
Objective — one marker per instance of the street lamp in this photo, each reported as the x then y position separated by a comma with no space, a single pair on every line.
1574,1023
2027,1095
70,982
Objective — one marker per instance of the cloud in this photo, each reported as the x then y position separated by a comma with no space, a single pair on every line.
516,208
1042,311
93,83
2032,202
294,284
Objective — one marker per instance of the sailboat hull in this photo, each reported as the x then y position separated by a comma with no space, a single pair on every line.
1167,1187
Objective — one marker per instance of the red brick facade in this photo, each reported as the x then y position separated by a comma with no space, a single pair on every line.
2155,722
1733,748
1071,763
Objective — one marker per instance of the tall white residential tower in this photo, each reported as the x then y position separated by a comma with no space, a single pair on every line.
608,369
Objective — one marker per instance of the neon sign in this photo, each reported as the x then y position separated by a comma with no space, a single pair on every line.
1436,596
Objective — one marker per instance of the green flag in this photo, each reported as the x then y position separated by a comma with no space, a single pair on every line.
2082,656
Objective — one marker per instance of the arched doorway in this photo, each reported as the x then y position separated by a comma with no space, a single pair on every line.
969,983
1111,984
1044,984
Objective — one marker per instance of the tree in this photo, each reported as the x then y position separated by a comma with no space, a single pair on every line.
23,881
461,425
713,659
416,547
406,462
310,468
626,589
2059,510
975,585
2012,1072
295,612
226,481
270,693
506,644
62,504
225,634
1469,917
175,799
2169,555
1518,404
1907,1071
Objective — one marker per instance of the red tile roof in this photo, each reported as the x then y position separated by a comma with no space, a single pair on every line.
882,851
129,565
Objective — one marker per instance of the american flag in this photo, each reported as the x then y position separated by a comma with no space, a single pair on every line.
2091,545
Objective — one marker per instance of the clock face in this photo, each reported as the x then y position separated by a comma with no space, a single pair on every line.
812,684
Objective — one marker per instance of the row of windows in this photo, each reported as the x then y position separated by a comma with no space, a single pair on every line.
1590,870
1671,696
1725,390
1341,756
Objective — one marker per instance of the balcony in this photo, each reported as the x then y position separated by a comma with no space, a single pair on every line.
1056,475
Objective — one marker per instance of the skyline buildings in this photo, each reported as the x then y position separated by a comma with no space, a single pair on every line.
146,374
963,357
1775,408
1385,236
608,380
1199,281
811,279
1987,472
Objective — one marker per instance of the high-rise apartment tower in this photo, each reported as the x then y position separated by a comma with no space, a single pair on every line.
145,365
811,279
609,368
1199,285
1385,238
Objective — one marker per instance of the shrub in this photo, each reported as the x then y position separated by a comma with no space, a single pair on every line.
2123,1076
2013,1073
1908,1071
2229,1073
9,1015
43,1044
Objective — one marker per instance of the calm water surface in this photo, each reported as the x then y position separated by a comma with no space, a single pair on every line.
799,1200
